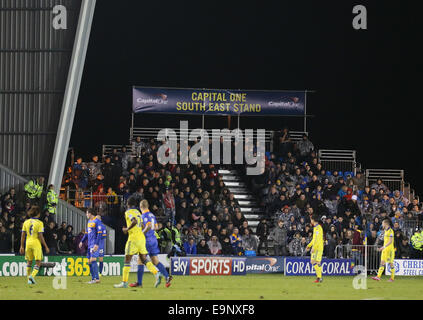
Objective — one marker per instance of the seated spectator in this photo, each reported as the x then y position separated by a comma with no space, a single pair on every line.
203,248
63,245
227,249
190,247
214,246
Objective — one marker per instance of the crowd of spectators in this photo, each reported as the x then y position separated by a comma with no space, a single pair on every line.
295,185
193,197
14,209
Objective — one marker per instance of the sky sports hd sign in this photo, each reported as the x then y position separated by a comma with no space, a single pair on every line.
207,266
330,267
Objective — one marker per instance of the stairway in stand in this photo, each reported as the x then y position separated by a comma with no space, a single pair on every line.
249,206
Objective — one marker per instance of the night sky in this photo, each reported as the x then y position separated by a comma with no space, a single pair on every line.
366,98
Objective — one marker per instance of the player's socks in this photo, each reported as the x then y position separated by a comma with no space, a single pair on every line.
35,271
100,268
150,266
318,271
140,274
28,271
95,270
91,271
125,272
380,272
162,270
392,273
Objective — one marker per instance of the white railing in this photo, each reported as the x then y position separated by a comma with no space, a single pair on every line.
392,178
338,160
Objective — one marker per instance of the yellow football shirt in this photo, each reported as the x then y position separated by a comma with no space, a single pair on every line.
387,237
32,228
317,241
136,232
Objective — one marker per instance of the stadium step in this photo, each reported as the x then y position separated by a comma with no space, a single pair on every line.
247,203
244,196
252,216
225,172
250,210
231,178
249,206
234,184
238,190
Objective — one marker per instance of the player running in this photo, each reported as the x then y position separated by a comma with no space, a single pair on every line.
150,225
136,240
32,231
388,250
94,235
102,227
316,246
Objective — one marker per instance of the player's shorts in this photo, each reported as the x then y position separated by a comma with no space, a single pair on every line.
153,247
388,255
92,254
33,252
134,247
317,255
101,251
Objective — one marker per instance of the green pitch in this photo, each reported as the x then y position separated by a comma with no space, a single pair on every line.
251,287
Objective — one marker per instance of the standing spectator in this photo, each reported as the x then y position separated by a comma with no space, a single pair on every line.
51,237
52,200
5,240
279,237
296,248
83,250
236,242
263,233
305,146
249,241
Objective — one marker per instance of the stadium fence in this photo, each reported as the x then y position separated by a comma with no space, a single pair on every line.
357,253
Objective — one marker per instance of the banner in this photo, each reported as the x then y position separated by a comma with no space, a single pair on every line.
330,267
218,102
265,265
207,266
71,266
406,268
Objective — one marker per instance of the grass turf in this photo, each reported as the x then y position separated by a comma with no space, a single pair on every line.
250,287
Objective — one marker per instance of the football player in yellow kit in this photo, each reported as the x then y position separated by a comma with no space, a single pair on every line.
388,251
316,246
32,232
136,239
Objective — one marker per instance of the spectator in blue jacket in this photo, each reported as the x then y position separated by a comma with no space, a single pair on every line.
190,247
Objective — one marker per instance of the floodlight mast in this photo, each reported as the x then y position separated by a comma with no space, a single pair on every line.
71,93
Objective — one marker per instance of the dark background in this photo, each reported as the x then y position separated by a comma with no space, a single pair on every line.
366,95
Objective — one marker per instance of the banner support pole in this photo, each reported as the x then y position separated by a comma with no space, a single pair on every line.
305,113
204,121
